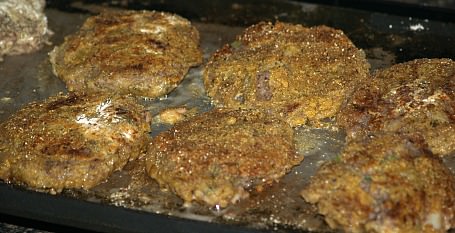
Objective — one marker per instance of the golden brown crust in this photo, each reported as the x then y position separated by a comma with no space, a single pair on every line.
303,73
416,96
216,156
388,183
145,53
71,141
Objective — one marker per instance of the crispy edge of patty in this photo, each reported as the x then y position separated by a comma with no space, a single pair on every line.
386,183
71,141
145,53
415,96
217,156
303,73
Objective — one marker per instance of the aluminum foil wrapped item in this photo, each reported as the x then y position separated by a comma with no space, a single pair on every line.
23,27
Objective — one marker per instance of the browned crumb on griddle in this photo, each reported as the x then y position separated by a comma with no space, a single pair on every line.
387,183
145,53
303,73
174,115
72,141
218,156
416,96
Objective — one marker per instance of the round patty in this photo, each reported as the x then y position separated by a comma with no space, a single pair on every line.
145,53
416,96
303,73
388,183
71,141
217,156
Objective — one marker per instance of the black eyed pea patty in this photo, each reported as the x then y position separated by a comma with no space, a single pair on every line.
71,141
217,157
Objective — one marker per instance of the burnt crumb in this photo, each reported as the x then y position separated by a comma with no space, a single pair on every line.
138,67
121,111
326,36
365,97
154,17
106,21
263,90
110,21
71,100
111,40
404,94
67,149
157,44
80,152
292,107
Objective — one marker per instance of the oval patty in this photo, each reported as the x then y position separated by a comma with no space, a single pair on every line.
385,183
416,96
303,73
145,53
217,156
71,141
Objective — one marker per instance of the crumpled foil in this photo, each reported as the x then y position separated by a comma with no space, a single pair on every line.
23,26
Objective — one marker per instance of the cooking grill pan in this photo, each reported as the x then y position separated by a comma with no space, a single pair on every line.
387,37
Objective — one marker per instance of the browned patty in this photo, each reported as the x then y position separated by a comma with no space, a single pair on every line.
218,156
303,73
145,53
71,141
387,183
23,26
416,96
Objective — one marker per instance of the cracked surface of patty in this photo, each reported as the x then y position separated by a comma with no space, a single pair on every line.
218,156
416,96
387,183
303,73
145,53
71,141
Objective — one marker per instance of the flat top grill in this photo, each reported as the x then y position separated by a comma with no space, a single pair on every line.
131,202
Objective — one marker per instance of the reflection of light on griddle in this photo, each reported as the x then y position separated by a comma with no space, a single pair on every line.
417,27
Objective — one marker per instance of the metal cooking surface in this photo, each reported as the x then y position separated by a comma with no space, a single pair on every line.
386,40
